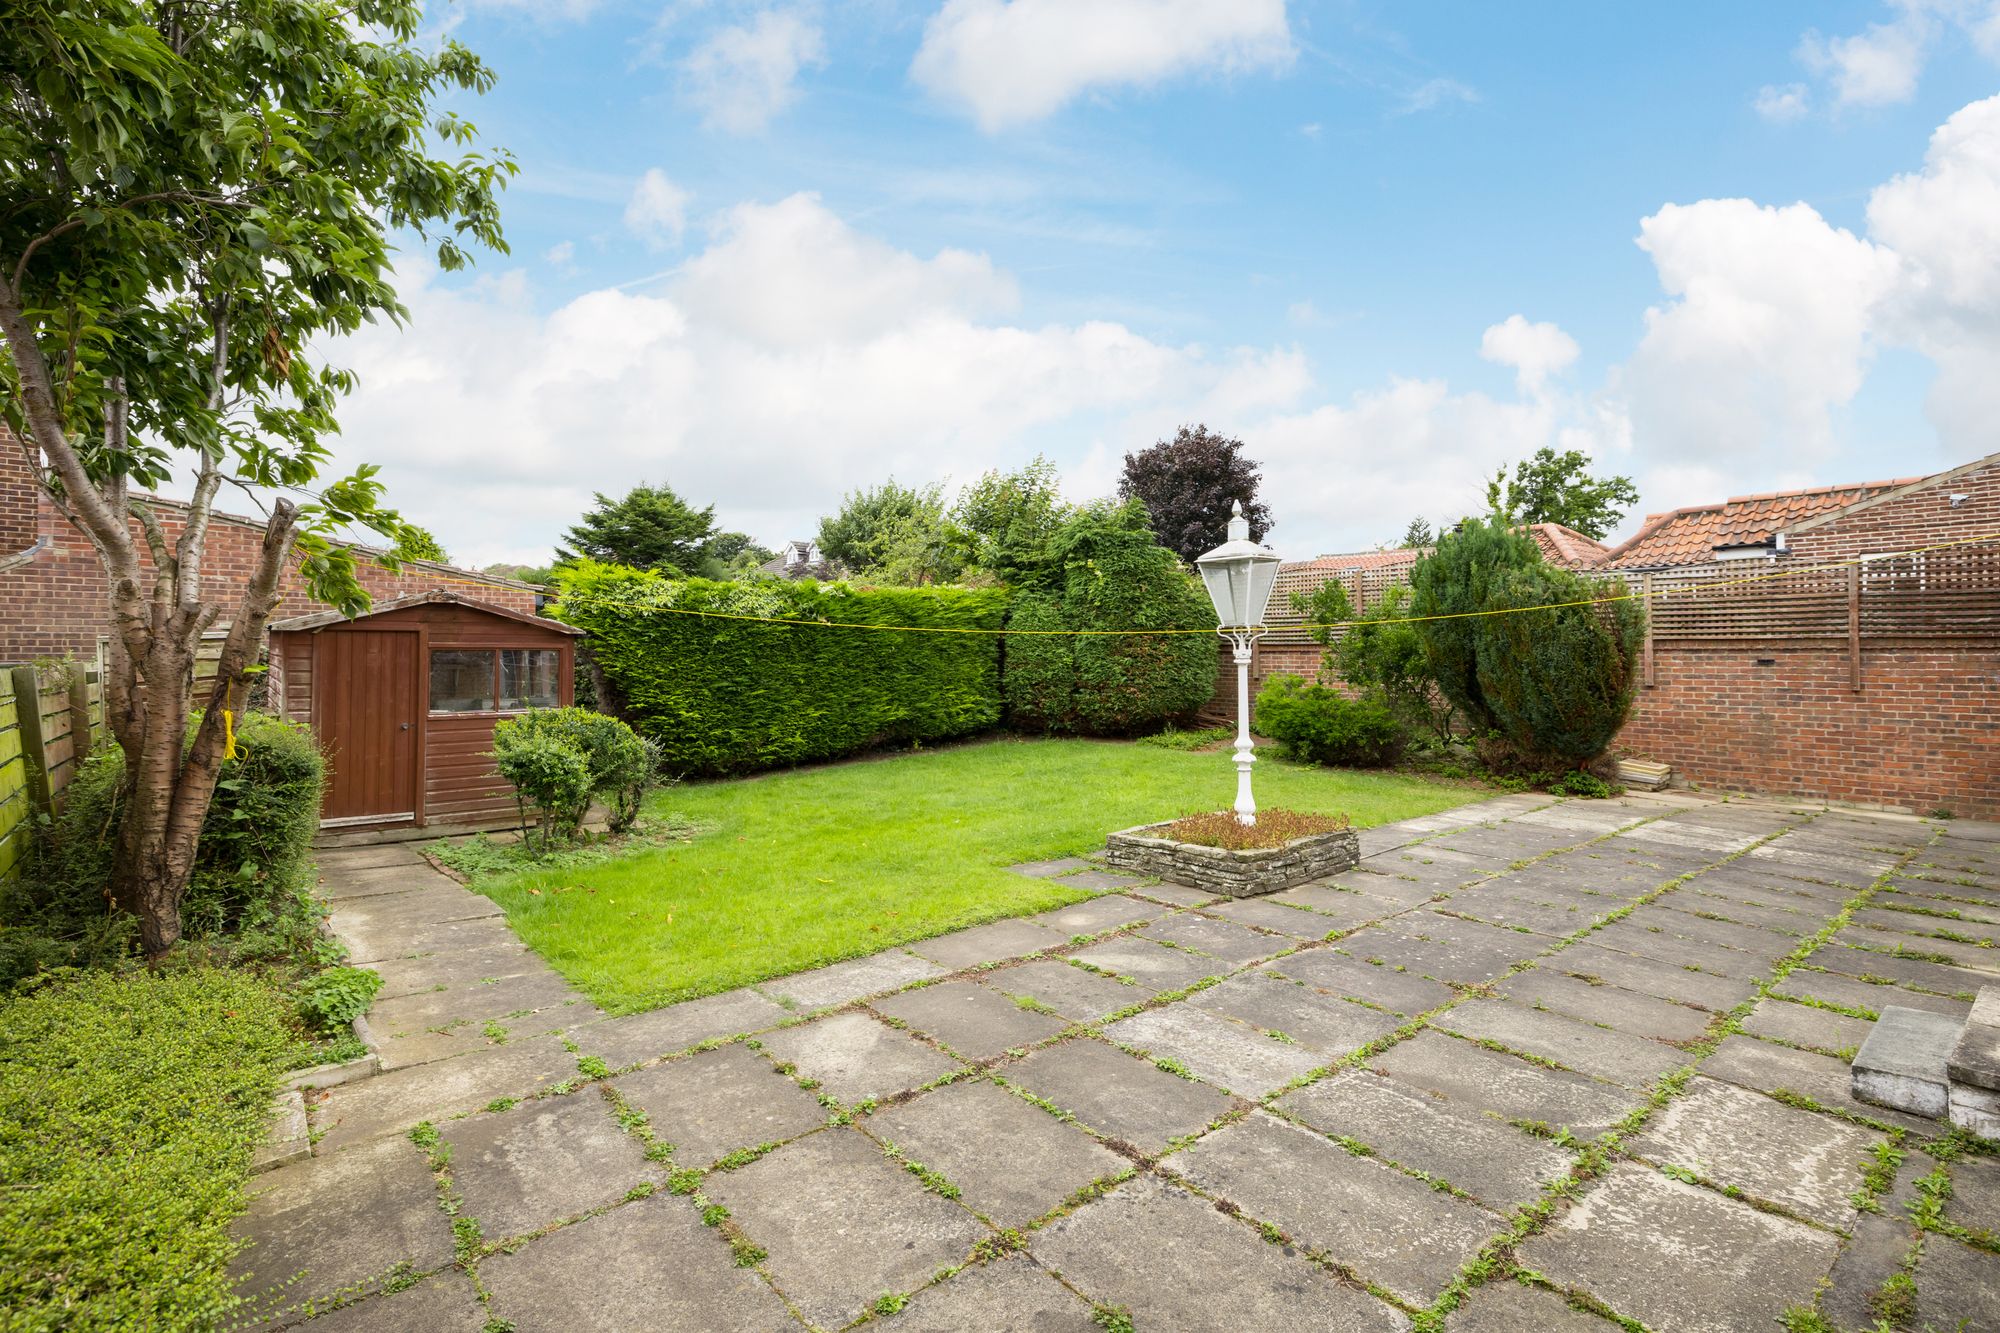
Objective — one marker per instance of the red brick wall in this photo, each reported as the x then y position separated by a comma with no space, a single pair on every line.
1923,733
1924,517
57,604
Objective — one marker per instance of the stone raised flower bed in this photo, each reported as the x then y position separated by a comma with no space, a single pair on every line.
1150,850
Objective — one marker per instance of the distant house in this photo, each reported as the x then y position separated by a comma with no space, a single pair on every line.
1744,527
800,560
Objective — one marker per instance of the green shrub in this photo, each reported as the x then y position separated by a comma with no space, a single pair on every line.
548,773
1105,572
723,695
1383,654
1552,682
1580,783
331,999
1321,726
253,876
619,764
129,1108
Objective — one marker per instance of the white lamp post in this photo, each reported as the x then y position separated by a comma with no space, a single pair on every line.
1239,574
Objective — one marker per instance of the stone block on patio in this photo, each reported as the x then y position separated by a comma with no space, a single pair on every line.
1902,1064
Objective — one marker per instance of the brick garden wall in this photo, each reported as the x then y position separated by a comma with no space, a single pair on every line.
57,604
1924,732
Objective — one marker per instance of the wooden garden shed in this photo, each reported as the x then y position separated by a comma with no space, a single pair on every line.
404,700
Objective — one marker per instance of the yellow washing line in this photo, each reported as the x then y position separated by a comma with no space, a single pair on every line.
1703,585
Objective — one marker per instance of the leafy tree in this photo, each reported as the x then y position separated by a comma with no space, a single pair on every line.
649,527
541,575
1105,572
733,555
1325,606
854,536
193,199
1008,520
1382,655
1550,681
1188,483
415,543
1418,535
1558,488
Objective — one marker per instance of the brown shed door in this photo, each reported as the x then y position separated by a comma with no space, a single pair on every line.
366,686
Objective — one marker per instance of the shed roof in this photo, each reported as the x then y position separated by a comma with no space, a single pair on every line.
431,597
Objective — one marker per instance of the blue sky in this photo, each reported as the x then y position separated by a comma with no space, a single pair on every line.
765,252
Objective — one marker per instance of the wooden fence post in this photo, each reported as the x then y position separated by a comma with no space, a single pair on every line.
28,717
1646,600
79,716
1854,628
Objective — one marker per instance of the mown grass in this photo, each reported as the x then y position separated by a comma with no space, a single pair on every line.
794,870
129,1107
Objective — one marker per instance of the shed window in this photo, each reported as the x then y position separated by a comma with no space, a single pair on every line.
528,677
462,680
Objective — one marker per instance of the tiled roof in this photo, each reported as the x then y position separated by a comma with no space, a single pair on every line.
1560,546
1358,560
1567,547
1691,535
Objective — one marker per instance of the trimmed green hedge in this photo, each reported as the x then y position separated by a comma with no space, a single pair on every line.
722,696
129,1108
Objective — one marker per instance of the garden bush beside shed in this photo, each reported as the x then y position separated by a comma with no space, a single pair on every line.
405,698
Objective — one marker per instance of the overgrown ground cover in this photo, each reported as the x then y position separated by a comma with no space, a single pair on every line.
794,870
130,1104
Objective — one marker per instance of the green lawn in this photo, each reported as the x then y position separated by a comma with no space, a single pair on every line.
794,870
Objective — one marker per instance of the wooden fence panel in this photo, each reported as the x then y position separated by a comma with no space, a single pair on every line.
16,827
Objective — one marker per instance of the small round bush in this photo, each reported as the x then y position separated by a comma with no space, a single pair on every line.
619,764
1321,726
549,773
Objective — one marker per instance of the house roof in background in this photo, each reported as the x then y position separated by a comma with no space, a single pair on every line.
1560,546
1692,534
430,597
1567,547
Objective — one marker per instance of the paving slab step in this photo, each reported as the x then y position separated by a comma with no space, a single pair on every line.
1901,1065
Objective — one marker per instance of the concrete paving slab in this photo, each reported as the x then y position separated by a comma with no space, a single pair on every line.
1061,865
1958,1287
711,1104
988,944
1079,995
1557,914
1437,869
1733,1137
1151,964
857,1057
1342,974
1679,1258
1975,1057
1599,1052
1327,1026
1011,1160
1388,1227
338,1224
1176,895
638,1037
1338,909
1976,957
1448,948
426,905
391,1103
520,1170
853,980
1625,937
971,1019
1232,943
1750,1063
1228,1054
369,944
1145,1246
474,1003
1854,993
1650,976
447,1303
1817,1029
1513,1307
1117,1095
1693,900
1384,885
1508,842
647,1265
1271,914
843,1223
1975,1195
1628,1011
1102,880
1500,1165
1903,1063
1096,914
1937,978
470,967
1012,1292
463,1037
1476,1080
1661,916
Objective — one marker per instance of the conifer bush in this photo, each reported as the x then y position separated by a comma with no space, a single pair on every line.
1548,688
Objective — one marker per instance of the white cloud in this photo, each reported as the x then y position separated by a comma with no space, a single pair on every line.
1434,93
1766,332
1883,63
1014,61
745,74
657,210
561,256
1783,103
1533,351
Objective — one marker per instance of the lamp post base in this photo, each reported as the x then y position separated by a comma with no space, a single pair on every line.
1246,804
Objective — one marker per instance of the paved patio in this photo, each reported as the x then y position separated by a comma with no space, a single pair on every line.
1535,1064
